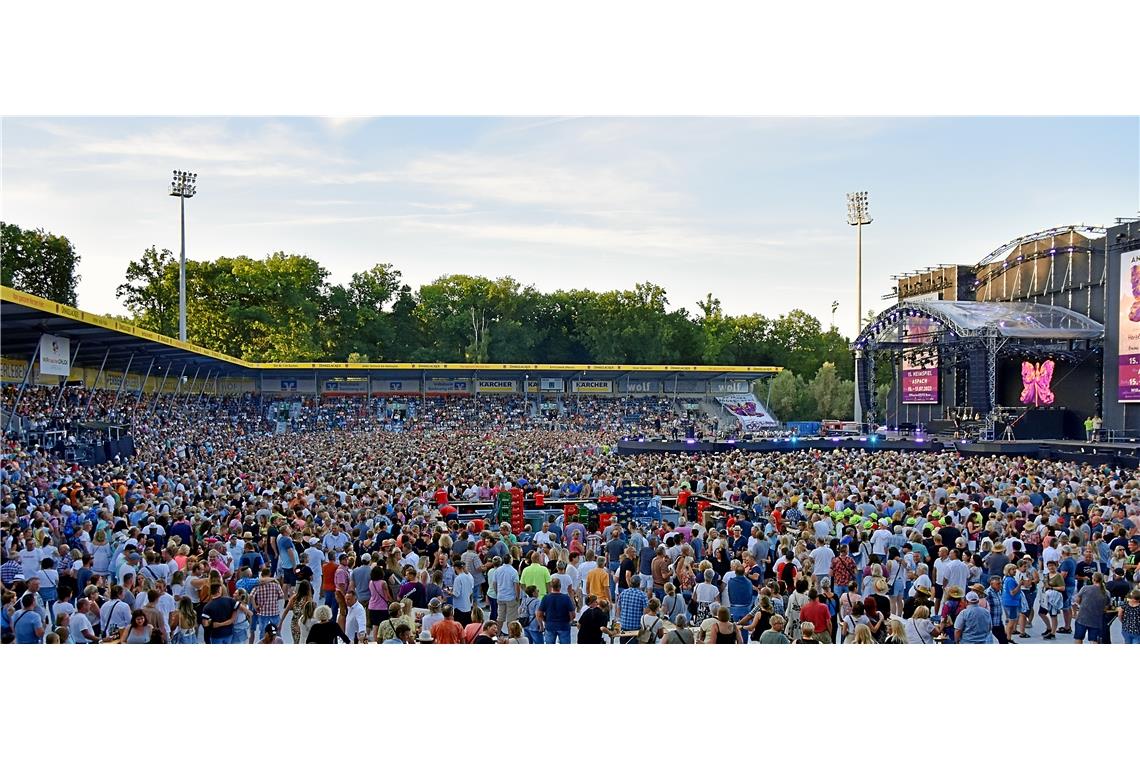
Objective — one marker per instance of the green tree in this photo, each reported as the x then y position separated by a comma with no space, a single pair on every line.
787,395
826,390
833,347
559,314
269,309
355,318
405,334
752,341
39,263
151,291
795,339
718,332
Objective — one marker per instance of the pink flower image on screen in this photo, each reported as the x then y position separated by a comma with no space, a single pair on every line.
1134,312
1035,382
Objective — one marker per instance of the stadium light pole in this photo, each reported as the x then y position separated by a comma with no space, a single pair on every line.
858,214
184,185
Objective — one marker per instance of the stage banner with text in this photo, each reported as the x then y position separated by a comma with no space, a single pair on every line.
919,379
1128,341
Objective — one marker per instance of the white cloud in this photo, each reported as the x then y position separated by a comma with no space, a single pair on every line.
656,242
525,182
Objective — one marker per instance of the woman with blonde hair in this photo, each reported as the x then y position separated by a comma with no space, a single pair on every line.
325,630
686,578
869,581
244,620
184,623
182,557
896,633
515,633
862,635
100,553
920,629
807,634
303,607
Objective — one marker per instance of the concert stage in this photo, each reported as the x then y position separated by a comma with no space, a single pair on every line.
1124,454
691,446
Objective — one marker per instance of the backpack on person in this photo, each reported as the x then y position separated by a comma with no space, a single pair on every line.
648,635
526,611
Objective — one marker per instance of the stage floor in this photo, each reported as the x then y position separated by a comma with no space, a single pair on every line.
1120,453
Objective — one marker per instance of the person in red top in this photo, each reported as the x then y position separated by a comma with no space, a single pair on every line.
778,518
328,580
818,614
448,630
440,496
842,570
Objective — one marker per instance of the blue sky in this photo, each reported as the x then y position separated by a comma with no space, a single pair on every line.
751,209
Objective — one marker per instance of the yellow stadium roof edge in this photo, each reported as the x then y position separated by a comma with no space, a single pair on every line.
716,370
108,323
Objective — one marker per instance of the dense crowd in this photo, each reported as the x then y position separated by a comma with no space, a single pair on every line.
222,530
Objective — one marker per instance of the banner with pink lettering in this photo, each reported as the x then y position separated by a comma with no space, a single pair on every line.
919,379
1128,341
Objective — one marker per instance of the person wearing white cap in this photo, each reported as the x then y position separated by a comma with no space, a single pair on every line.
973,624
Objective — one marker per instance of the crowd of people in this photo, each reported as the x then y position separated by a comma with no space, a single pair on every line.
222,530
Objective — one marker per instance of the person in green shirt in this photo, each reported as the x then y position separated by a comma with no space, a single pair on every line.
1088,428
775,634
535,574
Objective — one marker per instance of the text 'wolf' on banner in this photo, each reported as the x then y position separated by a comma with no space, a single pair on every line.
919,374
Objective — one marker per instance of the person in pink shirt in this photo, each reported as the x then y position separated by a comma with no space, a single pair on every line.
342,579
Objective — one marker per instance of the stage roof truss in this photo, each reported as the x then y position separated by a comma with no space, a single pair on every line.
980,319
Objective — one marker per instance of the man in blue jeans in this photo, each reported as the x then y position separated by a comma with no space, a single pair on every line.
615,550
555,612
268,601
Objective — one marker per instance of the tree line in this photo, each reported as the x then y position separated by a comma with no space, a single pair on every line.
283,308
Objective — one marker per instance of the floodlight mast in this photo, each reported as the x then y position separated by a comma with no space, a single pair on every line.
858,214
184,185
